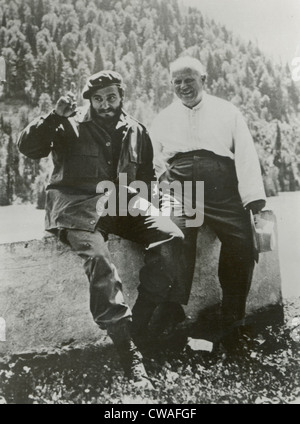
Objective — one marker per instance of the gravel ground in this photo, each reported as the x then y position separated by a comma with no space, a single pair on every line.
266,371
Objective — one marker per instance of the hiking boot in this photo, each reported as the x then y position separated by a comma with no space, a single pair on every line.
132,363
238,340
130,357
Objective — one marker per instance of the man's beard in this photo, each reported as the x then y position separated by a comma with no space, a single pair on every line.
107,119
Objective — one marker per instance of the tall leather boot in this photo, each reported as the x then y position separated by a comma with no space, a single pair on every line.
141,316
130,357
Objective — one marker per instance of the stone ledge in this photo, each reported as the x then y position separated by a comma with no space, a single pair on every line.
44,296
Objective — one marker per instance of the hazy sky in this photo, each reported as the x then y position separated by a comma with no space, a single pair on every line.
274,24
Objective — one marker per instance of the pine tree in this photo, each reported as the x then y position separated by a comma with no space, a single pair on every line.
98,64
210,70
127,25
89,38
38,13
31,37
178,48
4,21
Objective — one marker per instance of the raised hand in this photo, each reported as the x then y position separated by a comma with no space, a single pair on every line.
66,105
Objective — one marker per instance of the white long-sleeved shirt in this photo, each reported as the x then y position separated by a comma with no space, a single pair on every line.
215,125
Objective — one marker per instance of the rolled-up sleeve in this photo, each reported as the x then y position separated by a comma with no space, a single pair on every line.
247,165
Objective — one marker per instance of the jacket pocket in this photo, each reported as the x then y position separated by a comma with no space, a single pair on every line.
82,161
82,166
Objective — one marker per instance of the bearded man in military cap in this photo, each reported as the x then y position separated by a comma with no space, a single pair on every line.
89,146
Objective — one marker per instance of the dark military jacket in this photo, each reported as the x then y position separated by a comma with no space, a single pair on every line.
82,154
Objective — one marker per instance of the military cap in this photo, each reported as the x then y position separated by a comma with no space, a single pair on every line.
101,79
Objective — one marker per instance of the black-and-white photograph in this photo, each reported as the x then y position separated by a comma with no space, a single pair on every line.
149,204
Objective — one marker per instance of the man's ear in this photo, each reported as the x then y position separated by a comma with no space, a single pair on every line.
121,92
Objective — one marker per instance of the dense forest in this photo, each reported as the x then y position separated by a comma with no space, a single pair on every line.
50,46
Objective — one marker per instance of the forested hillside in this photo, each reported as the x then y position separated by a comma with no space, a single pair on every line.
49,45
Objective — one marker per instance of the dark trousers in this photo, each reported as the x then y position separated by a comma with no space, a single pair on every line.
226,216
158,281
